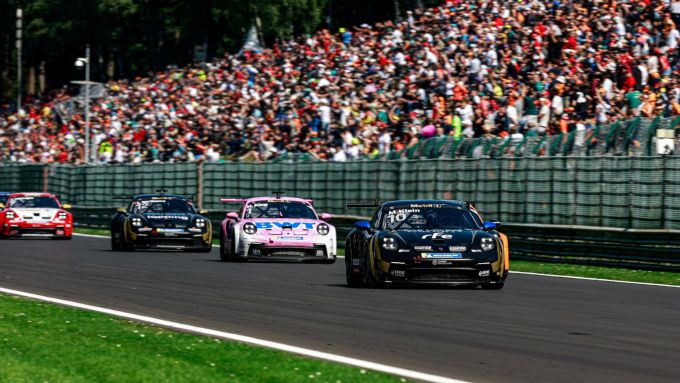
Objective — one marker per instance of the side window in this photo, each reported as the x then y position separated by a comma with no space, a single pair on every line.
375,220
477,217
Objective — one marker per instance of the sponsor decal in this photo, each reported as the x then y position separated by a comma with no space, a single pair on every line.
484,273
170,230
403,211
438,236
457,248
398,273
440,262
280,225
289,238
476,250
427,206
442,255
180,217
423,248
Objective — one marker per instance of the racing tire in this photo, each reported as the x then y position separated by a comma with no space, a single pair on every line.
493,286
352,279
366,273
224,257
115,245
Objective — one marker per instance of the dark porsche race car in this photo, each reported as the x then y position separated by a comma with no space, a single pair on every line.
160,221
3,198
426,242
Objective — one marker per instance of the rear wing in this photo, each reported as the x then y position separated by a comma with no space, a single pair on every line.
131,197
362,204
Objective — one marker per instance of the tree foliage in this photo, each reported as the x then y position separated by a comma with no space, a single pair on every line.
133,37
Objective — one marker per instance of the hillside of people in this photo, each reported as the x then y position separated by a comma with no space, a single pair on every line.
467,69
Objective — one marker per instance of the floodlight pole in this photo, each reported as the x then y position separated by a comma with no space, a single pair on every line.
87,104
18,46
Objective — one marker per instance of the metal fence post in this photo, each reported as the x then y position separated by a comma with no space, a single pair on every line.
45,175
199,187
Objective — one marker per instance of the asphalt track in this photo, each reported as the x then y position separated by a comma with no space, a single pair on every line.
538,329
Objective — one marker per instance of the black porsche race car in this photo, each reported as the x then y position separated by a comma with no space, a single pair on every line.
426,242
160,221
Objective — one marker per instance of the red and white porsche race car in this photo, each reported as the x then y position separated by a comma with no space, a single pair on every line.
35,215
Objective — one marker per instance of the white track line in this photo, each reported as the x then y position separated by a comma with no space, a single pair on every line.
511,272
245,339
593,279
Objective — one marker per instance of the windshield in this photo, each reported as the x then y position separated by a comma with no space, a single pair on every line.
427,217
33,203
279,209
152,206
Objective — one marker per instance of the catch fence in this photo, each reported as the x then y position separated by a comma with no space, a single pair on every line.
624,192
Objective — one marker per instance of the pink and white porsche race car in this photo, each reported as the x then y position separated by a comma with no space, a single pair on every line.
277,228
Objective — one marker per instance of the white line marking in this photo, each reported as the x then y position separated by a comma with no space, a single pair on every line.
592,279
511,272
245,339
91,235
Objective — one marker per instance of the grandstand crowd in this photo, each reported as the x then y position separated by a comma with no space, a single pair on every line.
473,68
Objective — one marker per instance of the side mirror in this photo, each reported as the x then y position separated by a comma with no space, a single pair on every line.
66,206
121,210
202,212
232,215
2,205
363,225
491,225
326,217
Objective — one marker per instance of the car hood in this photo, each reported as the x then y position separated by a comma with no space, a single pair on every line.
281,226
437,237
168,220
40,214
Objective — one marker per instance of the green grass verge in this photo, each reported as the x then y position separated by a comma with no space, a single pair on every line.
662,277
41,342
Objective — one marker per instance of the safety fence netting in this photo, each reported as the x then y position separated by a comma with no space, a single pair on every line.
627,192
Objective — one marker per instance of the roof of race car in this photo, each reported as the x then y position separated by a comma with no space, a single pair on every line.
35,194
270,198
159,196
424,202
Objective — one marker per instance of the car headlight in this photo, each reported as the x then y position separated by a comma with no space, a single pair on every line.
488,244
323,229
389,243
10,215
136,222
200,222
61,216
249,228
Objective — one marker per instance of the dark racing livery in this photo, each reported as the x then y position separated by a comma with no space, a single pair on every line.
426,242
3,198
160,221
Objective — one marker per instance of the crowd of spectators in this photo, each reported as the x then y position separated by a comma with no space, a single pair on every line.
472,68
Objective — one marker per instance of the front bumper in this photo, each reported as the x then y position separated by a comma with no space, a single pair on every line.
316,253
188,241
40,230
442,272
